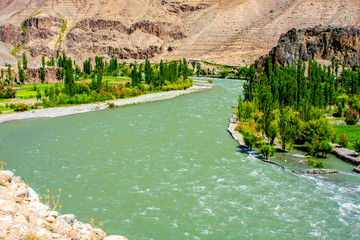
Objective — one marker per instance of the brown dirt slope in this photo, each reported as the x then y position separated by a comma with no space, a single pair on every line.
234,32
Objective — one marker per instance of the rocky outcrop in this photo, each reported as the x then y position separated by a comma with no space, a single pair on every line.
52,75
23,216
321,171
161,30
10,34
38,28
177,7
108,38
341,44
347,155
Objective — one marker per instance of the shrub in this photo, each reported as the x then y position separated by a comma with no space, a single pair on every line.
339,111
7,92
352,117
112,105
38,95
224,74
315,164
343,99
20,107
267,150
242,127
343,140
35,105
249,139
325,147
356,146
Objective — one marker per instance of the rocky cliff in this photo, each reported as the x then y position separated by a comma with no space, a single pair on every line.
340,44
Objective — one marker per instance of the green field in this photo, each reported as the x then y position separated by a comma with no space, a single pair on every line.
39,86
336,119
351,131
3,108
115,79
26,94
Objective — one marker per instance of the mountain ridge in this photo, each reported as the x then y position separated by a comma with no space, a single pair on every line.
223,31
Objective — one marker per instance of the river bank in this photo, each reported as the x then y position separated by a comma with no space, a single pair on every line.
341,153
24,216
64,111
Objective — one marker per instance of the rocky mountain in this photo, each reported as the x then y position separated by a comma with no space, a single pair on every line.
233,32
340,44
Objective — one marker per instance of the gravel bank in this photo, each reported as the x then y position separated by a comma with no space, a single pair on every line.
64,111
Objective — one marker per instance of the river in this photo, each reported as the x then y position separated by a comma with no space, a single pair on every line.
170,170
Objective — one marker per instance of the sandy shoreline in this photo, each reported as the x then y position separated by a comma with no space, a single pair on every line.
76,109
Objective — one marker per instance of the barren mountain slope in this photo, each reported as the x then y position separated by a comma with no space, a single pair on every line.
234,32
253,28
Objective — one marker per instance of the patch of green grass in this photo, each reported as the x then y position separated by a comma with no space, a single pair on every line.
351,131
336,119
115,79
26,94
15,50
62,29
3,108
4,100
38,86
219,65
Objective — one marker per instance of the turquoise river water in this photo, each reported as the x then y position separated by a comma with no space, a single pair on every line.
170,170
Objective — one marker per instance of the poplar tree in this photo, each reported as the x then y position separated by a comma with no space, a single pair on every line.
185,70
42,70
134,75
149,72
24,61
99,81
99,65
22,76
10,79
70,86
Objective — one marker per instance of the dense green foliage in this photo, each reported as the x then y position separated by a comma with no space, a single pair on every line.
352,117
7,92
24,61
249,139
289,103
77,89
315,164
343,140
356,146
22,75
351,131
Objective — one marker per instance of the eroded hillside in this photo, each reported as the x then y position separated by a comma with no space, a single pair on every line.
234,32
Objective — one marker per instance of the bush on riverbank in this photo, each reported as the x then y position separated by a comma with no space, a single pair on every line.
343,140
7,92
315,164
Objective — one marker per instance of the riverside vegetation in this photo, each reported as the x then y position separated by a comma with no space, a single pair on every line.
89,85
282,104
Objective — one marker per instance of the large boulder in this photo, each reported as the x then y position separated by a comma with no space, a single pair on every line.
341,44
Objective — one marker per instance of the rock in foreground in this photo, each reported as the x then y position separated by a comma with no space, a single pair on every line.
22,216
